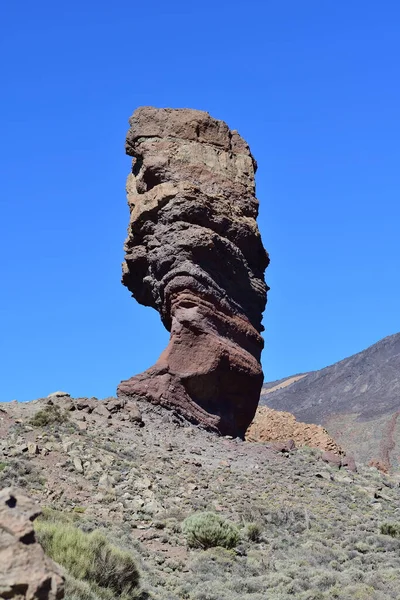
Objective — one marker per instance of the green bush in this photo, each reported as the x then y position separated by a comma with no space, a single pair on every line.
89,557
50,414
208,530
253,532
392,529
75,589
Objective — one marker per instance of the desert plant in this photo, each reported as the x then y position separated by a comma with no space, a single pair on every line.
50,414
75,589
253,532
208,530
89,557
392,529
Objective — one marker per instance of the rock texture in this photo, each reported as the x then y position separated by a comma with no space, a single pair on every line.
357,400
194,253
25,571
276,426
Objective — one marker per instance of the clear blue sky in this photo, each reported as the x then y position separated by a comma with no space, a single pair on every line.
313,86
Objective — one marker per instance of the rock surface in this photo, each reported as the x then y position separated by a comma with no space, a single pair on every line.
357,400
194,253
25,571
277,426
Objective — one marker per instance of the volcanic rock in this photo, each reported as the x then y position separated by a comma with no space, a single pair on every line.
194,253
25,571
277,426
331,458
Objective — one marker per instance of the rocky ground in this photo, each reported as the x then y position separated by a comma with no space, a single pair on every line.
136,471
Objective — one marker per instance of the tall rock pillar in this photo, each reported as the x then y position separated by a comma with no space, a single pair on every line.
194,253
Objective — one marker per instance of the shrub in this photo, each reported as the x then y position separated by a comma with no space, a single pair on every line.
50,414
207,530
75,589
89,556
392,529
253,532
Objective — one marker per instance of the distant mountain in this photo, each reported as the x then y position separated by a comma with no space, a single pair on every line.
357,400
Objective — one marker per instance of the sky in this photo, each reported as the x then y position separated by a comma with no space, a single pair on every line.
314,88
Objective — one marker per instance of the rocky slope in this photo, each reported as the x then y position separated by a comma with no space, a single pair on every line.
271,425
194,253
357,400
309,530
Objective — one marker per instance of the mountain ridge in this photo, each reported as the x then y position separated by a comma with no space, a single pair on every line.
356,397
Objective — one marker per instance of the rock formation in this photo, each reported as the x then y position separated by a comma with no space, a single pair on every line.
194,253
277,426
25,571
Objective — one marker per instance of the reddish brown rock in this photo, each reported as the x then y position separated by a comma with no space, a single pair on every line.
331,459
285,446
271,425
378,464
26,573
194,253
350,463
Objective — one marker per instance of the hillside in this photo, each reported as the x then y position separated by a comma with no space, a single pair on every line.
308,530
357,400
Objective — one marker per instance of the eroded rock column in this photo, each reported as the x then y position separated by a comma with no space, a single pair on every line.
194,253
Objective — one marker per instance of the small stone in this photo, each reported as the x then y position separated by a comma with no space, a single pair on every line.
78,464
33,448
101,410
106,482
59,395
324,475
68,445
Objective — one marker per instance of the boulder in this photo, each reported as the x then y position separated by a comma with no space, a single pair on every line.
284,446
194,253
332,459
349,462
25,571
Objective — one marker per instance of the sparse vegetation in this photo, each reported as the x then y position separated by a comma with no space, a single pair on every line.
308,531
90,558
49,414
253,532
392,529
208,530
